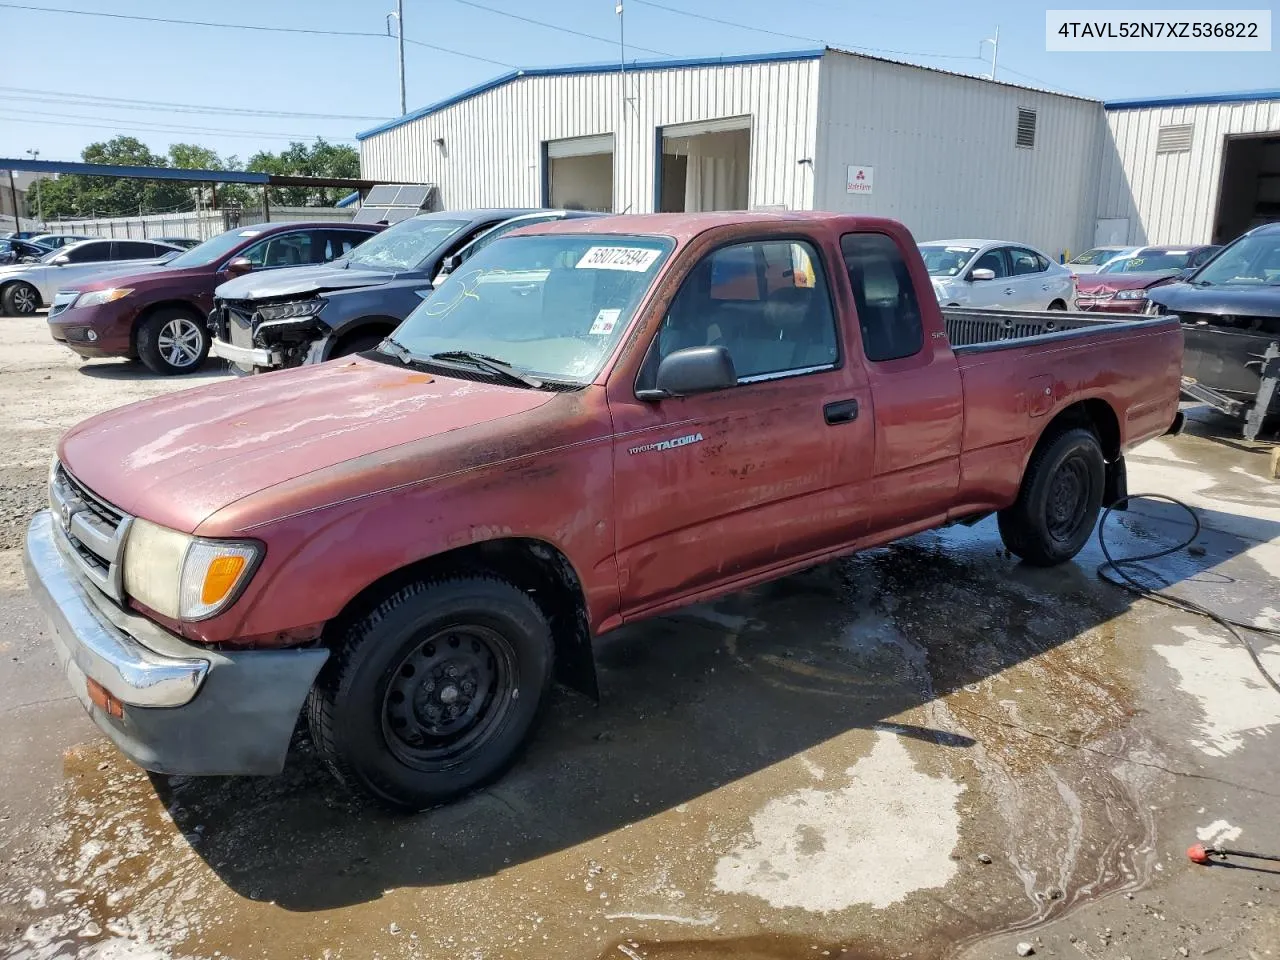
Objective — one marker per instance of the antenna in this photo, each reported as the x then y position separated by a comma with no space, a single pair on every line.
995,50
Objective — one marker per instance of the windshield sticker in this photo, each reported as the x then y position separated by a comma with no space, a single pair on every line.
606,320
632,259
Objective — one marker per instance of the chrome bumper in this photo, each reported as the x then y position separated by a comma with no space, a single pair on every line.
245,356
104,651
188,710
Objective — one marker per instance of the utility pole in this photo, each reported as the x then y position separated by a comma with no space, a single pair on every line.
995,50
399,15
13,198
35,155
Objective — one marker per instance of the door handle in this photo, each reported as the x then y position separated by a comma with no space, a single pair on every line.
842,411
1008,291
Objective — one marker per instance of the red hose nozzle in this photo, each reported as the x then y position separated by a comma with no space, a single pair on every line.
1198,854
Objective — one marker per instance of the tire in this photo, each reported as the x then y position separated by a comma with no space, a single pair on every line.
358,343
1058,305
173,341
380,712
20,299
1059,500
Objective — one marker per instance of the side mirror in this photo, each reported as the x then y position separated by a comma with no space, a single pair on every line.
60,261
692,370
239,267
982,273
449,264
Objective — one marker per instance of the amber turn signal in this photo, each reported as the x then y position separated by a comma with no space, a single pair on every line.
104,700
220,578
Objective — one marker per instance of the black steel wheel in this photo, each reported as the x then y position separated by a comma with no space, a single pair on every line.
435,691
1059,499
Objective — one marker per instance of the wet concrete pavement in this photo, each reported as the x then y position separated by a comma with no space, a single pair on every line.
927,750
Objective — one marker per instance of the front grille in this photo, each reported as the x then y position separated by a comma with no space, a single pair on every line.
93,529
235,322
62,302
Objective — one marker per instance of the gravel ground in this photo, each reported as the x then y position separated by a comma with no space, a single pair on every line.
44,390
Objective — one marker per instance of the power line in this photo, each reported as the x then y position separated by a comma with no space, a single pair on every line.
612,41
793,36
148,123
86,99
1045,83
155,128
312,31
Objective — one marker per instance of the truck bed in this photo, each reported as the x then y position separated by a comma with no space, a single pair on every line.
975,331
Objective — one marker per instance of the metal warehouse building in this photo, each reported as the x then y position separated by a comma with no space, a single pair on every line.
1195,169
949,155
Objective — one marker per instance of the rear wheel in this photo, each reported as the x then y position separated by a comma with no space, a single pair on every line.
435,692
20,299
173,341
1059,500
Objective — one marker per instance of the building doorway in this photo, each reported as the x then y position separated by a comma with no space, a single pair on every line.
704,166
1249,195
578,173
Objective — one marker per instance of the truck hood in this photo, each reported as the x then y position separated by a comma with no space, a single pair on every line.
298,281
1222,299
1094,284
178,459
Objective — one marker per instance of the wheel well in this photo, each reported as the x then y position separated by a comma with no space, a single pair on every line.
14,283
1059,300
146,314
534,566
364,329
1093,414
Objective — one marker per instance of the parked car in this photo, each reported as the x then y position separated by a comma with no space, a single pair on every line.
312,315
56,241
21,251
186,243
26,287
579,428
1091,261
1230,313
1121,286
160,315
996,275
19,234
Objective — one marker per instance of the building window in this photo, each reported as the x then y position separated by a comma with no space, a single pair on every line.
1026,128
1174,139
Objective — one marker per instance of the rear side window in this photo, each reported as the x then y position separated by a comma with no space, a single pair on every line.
1026,262
132,250
888,311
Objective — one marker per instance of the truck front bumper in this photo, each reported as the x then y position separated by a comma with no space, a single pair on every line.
175,707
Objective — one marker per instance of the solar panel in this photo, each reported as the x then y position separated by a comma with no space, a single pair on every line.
383,195
393,202
411,195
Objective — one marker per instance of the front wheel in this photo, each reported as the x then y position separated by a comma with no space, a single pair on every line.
435,692
172,342
1059,500
20,299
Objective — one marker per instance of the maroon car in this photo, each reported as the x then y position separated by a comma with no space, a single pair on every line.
1121,286
158,315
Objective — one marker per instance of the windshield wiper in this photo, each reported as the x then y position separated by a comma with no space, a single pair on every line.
395,348
490,364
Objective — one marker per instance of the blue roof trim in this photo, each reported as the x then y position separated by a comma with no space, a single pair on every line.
588,68
151,173
1242,96
349,199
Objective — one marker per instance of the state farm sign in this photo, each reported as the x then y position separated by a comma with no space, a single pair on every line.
860,179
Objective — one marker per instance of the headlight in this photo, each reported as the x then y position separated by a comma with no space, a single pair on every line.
1131,294
288,311
184,577
97,298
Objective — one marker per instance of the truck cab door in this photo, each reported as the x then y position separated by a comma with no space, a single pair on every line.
914,380
714,487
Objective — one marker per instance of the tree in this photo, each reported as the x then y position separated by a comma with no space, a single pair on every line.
75,195
321,159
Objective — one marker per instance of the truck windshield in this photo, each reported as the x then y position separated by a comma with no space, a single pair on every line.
944,261
551,306
1250,261
406,245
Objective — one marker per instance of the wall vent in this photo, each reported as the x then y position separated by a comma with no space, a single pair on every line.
1174,139
1026,128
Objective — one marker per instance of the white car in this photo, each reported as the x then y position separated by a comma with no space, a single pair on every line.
25,287
996,275
1091,261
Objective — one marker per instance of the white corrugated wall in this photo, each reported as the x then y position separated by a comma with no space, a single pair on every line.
1173,197
491,154
945,163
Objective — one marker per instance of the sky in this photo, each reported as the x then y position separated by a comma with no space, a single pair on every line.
60,84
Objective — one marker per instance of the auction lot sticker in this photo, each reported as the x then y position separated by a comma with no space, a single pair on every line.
1138,31
633,259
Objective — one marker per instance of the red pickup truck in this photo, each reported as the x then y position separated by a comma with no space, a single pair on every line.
593,422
